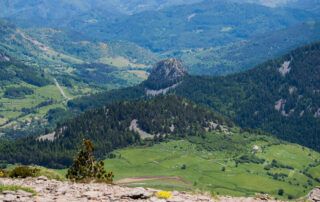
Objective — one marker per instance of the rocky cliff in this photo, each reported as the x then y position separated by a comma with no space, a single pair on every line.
166,73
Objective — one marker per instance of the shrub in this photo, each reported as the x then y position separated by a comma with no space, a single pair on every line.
17,92
112,156
183,167
250,159
85,167
2,173
280,192
23,172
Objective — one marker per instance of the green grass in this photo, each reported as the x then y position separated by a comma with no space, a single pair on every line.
16,188
315,171
49,173
12,109
204,166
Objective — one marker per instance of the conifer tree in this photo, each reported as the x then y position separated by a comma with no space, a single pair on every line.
85,167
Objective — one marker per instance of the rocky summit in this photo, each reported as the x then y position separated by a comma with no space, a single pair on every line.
166,73
62,191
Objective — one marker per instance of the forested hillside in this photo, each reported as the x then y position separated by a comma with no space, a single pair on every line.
280,96
207,24
115,126
246,54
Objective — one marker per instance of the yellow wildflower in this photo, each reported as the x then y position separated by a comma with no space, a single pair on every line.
164,194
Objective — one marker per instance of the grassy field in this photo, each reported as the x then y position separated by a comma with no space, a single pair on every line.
15,112
210,165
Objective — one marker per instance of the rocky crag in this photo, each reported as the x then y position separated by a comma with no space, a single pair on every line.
64,191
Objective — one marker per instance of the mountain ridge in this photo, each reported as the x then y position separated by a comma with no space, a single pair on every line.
251,98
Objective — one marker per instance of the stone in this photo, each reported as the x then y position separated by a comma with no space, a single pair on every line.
42,178
8,192
23,193
92,195
9,197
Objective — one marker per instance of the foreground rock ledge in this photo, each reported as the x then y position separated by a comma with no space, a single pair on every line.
52,190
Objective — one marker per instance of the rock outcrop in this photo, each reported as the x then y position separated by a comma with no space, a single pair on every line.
58,191
314,195
166,73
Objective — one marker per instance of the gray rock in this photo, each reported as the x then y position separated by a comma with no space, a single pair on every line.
23,193
6,192
92,195
9,197
42,178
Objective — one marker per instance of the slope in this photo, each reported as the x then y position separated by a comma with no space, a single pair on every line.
219,163
274,96
115,126
245,54
201,25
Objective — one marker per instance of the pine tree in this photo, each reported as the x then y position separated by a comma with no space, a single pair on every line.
85,167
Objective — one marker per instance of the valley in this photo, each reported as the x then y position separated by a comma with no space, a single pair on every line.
199,164
200,100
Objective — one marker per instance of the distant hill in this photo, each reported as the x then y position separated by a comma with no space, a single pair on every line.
64,13
206,24
34,13
213,37
31,60
245,54
115,126
274,96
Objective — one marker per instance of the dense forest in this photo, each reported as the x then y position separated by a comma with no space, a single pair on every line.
13,71
109,128
283,100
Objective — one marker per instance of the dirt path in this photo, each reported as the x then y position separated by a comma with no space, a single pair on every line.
148,178
61,90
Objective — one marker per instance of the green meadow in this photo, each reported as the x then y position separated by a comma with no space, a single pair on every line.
210,165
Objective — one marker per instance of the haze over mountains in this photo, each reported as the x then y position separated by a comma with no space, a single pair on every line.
225,91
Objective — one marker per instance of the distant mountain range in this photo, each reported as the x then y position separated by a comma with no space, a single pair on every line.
211,36
245,54
201,25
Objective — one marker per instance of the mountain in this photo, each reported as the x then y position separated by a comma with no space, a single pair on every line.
57,13
115,126
165,74
212,37
274,96
137,6
245,54
38,61
177,144
309,5
202,25
63,13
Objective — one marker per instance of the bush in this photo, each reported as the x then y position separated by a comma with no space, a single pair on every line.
280,192
85,167
183,167
17,92
23,172
250,159
2,173
112,156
